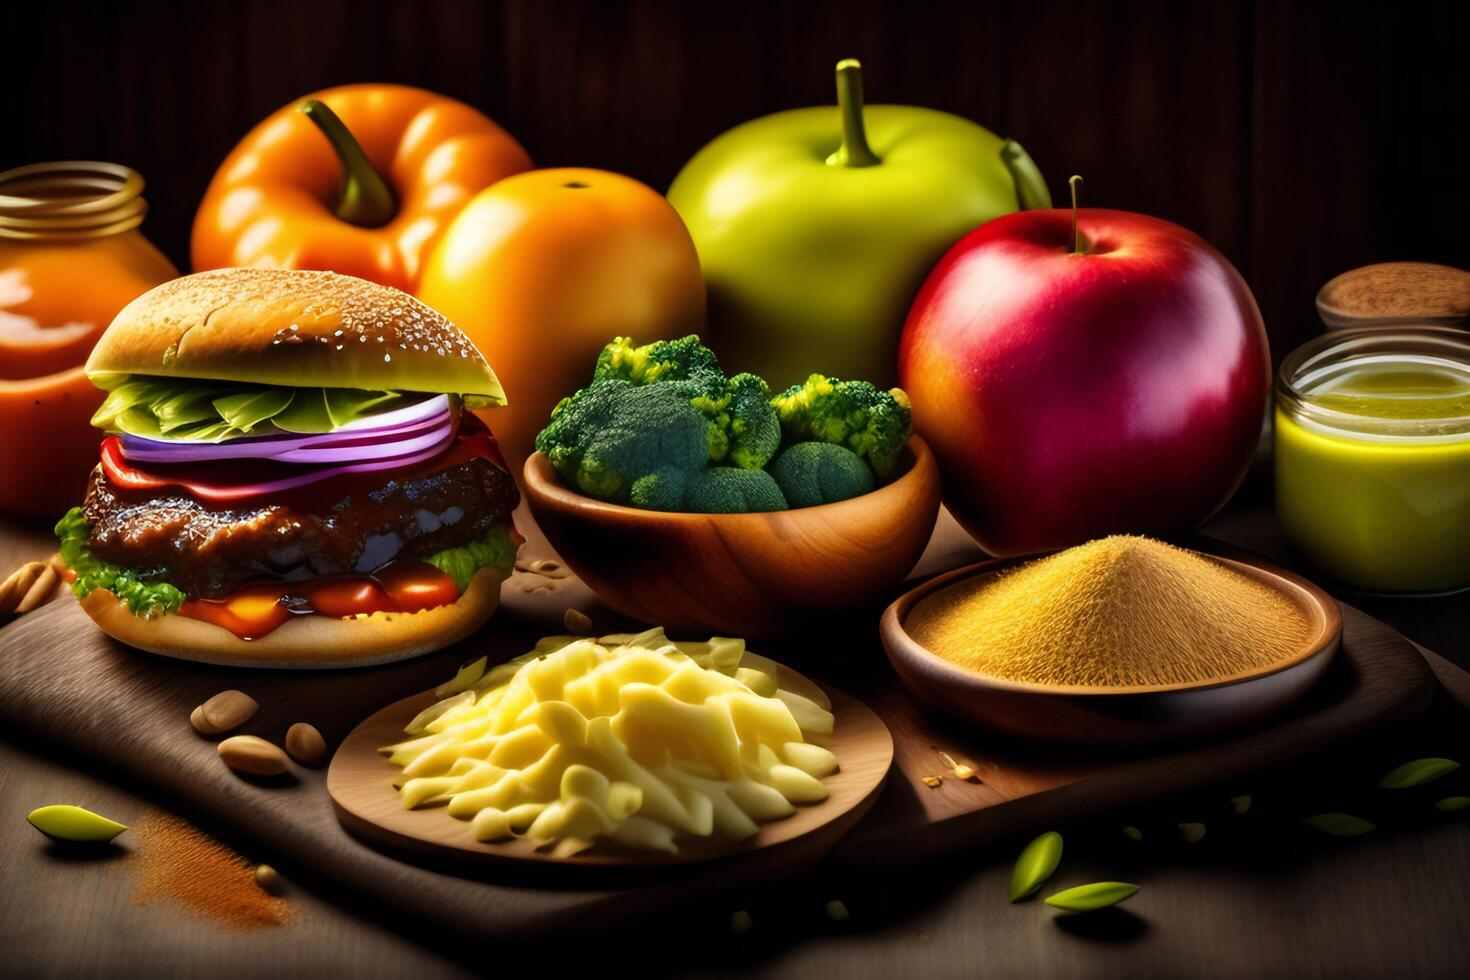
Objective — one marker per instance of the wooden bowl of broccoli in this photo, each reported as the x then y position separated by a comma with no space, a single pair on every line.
755,574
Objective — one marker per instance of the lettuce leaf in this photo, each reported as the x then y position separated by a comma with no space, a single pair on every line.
497,548
145,593
213,411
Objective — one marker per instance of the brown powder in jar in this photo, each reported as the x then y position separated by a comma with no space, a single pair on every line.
181,863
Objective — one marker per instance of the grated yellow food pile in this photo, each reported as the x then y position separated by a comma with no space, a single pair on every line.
1121,611
631,738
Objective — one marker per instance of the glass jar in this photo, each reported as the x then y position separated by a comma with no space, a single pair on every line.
1373,457
71,257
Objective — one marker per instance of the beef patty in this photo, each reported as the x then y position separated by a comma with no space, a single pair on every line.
335,528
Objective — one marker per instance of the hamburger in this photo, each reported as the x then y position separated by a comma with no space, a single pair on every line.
290,476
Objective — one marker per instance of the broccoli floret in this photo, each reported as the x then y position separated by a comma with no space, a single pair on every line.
743,428
873,423
685,359
663,489
730,490
611,434
812,473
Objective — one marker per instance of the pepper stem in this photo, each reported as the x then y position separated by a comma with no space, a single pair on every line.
364,198
1074,181
854,151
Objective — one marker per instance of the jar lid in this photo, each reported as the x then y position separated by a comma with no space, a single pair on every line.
1396,292
70,200
1408,381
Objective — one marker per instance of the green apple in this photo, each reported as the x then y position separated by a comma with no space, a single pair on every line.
816,227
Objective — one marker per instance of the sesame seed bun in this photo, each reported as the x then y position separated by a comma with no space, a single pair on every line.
308,642
292,328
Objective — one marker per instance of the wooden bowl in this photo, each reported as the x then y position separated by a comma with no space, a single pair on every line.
1113,716
745,575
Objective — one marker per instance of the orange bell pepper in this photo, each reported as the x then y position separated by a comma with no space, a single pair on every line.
359,179
543,269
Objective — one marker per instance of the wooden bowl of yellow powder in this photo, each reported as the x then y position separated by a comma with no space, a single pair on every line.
1124,640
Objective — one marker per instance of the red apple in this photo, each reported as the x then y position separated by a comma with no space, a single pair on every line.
1070,395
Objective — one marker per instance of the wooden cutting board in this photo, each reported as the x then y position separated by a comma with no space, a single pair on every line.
1377,677
65,687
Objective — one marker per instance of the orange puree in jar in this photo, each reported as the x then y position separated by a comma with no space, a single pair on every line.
71,257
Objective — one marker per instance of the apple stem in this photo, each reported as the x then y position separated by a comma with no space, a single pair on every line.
1074,181
1031,192
854,151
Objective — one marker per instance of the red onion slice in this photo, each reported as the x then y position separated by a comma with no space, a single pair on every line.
417,412
400,432
315,474
281,448
369,449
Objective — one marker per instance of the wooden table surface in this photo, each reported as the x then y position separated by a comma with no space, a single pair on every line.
1260,895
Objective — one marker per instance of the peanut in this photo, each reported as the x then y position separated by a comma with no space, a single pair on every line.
18,585
41,590
256,756
268,878
224,711
306,744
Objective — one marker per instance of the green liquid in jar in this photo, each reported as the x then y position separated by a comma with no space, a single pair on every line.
1431,390
1373,472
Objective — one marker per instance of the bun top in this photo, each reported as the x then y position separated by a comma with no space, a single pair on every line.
292,328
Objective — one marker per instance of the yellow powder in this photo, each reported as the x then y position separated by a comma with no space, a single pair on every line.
1122,611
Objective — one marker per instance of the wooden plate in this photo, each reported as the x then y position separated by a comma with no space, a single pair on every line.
360,781
1114,716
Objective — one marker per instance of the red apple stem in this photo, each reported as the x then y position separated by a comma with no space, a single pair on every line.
1075,181
854,151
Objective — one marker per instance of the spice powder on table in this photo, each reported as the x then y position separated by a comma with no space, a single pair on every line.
1122,611
182,863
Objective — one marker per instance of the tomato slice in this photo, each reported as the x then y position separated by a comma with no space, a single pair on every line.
252,611
416,585
344,597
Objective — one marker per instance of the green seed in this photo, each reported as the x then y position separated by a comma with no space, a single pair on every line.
1240,803
1417,773
1192,833
1340,824
836,911
72,823
1098,895
1453,804
1035,865
1132,833
741,921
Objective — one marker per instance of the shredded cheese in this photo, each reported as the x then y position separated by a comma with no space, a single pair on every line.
632,739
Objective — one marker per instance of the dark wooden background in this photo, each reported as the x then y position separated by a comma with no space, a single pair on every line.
1301,138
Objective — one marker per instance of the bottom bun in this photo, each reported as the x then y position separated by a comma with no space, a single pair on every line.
305,641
